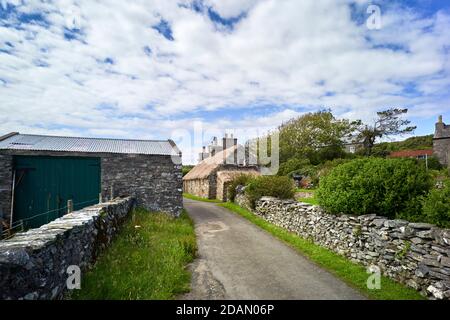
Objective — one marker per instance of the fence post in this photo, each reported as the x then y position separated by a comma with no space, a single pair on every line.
69,206
112,193
100,198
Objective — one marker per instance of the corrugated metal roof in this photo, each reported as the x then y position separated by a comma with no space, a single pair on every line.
88,145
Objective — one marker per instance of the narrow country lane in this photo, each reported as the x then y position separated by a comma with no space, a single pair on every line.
238,260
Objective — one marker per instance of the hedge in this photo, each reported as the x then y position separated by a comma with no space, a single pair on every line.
386,187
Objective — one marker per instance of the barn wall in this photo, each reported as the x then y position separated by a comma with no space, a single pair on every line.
155,181
5,189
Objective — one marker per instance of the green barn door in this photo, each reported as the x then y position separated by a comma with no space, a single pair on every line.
44,184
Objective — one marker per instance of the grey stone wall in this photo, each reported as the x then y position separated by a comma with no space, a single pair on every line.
416,254
33,265
198,187
155,181
5,189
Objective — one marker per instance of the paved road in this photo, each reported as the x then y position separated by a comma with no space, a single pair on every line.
238,260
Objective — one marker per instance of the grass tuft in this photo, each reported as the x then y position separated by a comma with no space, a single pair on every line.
147,260
193,197
353,274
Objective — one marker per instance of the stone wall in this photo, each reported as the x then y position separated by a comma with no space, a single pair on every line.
198,187
416,254
33,265
5,190
155,181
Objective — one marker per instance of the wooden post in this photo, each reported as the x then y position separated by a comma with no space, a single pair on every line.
69,206
112,192
100,199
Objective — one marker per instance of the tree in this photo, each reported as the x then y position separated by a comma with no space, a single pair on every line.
316,136
388,123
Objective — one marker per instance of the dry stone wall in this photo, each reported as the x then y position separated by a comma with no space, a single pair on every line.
416,254
33,264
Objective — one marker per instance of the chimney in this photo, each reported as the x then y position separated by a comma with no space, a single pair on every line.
440,119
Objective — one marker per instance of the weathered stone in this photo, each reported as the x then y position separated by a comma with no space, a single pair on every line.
437,293
421,225
33,264
445,261
412,253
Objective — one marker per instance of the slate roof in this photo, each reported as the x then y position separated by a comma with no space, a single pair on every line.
17,141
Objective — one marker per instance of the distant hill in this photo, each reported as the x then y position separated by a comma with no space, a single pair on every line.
413,143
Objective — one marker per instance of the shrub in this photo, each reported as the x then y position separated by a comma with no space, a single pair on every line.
292,165
240,180
374,185
274,186
436,206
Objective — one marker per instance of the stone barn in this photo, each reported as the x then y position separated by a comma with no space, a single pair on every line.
441,142
40,174
211,177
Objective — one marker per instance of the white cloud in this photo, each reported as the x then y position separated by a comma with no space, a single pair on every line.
303,55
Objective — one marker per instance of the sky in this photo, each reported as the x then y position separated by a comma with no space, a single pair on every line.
188,70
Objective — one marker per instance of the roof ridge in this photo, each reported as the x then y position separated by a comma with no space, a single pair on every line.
90,138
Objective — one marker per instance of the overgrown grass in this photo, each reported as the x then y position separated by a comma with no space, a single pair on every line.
353,274
312,200
147,260
193,197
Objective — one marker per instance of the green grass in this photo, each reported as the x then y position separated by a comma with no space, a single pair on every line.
305,190
312,200
192,197
147,260
353,274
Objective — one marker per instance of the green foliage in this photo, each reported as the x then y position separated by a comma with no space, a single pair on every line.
413,143
433,163
292,165
240,180
274,186
185,169
436,206
146,261
374,185
317,136
388,123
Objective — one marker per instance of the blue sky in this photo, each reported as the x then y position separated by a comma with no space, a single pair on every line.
158,69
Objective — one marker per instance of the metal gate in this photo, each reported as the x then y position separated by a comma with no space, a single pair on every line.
43,185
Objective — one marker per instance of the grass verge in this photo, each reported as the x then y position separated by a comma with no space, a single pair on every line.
192,197
147,260
353,274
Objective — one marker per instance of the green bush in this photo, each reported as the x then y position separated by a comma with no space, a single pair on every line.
273,186
240,180
436,206
292,165
374,185
433,163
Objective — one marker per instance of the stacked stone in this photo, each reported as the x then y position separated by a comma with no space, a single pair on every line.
416,254
33,264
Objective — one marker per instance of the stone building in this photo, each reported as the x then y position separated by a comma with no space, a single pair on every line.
441,142
211,177
41,173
